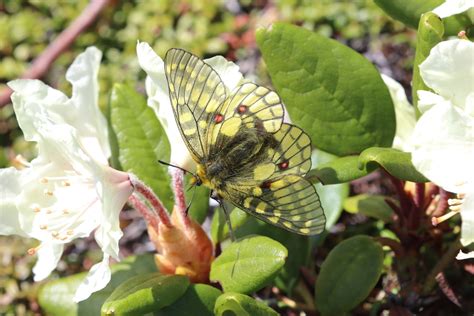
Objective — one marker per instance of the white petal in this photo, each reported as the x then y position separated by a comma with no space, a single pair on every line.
48,258
404,113
462,256
467,215
449,70
427,99
10,188
452,7
88,119
444,146
98,278
115,189
32,98
227,70
159,101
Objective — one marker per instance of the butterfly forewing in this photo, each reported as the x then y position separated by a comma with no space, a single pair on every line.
196,94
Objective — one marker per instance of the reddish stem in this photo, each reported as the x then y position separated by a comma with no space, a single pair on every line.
42,63
177,176
155,202
147,214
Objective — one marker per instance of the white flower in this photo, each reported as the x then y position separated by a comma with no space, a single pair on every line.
404,114
159,100
443,138
69,190
452,7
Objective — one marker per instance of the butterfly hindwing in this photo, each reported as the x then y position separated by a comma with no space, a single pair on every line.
196,94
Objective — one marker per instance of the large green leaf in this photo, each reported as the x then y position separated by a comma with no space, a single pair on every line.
229,304
332,92
395,162
141,139
409,12
145,293
430,33
348,274
56,297
199,299
339,170
249,264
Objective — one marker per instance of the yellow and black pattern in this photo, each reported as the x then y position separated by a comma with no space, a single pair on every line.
243,150
196,94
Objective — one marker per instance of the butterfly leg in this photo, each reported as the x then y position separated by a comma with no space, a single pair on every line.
218,199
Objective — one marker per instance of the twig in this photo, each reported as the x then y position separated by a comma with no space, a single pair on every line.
42,63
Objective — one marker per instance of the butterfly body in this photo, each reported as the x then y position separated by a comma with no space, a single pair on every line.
243,150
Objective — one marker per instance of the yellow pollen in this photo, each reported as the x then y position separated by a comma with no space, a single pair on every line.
70,232
63,238
48,192
55,234
43,227
48,211
65,211
44,180
36,210
66,183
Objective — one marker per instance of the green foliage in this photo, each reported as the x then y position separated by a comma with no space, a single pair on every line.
349,168
145,293
370,205
55,297
343,115
249,264
199,299
348,274
142,142
409,12
430,33
229,304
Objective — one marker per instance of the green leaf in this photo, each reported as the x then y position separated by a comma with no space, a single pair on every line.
145,293
56,297
430,33
219,227
229,304
199,299
339,170
395,162
409,12
370,205
348,274
141,139
331,196
249,264
332,92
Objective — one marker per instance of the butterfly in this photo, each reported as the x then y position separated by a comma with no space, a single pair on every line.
243,150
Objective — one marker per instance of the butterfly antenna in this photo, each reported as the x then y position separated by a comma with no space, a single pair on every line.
174,166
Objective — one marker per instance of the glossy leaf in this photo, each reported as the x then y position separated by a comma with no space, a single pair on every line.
315,77
145,293
409,12
395,162
349,273
199,299
249,264
239,304
56,297
141,139
370,205
430,33
339,170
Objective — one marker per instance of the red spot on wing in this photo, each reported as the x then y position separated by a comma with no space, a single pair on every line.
218,118
266,185
283,165
241,109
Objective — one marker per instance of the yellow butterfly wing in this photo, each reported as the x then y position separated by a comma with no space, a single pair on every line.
196,93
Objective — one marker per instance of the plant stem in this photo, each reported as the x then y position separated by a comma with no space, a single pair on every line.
177,176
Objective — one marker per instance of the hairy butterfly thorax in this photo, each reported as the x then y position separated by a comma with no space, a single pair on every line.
243,150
